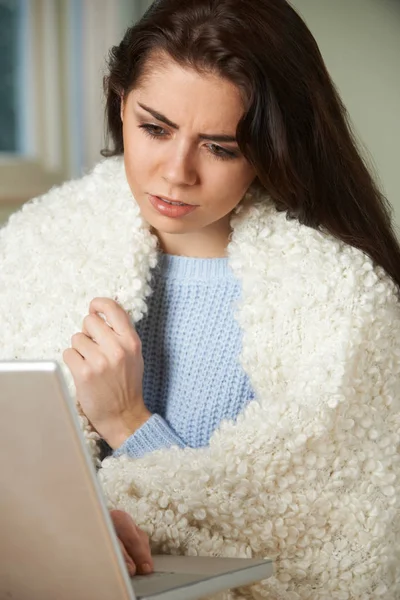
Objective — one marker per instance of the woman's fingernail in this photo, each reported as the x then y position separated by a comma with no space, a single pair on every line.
132,568
146,568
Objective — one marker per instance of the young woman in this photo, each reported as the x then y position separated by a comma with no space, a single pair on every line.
223,290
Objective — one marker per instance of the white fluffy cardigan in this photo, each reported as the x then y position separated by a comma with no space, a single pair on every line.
310,471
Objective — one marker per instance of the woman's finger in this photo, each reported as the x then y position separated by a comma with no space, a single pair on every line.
128,561
86,347
138,547
73,359
95,328
135,541
114,314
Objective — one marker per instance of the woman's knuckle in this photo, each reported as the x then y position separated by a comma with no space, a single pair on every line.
75,339
67,356
94,302
101,364
135,344
86,374
118,355
87,321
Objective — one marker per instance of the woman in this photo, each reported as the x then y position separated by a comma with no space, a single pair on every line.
241,354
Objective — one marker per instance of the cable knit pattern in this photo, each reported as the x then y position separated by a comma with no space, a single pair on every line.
309,473
191,344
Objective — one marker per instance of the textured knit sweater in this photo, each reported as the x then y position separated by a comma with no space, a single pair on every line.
190,345
309,472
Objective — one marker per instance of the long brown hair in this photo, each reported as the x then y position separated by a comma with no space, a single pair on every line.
295,130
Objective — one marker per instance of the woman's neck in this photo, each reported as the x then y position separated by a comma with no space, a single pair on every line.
205,243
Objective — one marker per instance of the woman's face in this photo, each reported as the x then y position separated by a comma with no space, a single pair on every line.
179,130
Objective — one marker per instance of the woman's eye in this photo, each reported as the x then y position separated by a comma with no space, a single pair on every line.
156,131
153,130
221,153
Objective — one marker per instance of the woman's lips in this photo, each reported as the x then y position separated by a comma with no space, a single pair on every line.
170,210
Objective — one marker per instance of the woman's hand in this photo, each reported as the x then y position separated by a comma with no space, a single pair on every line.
134,544
106,363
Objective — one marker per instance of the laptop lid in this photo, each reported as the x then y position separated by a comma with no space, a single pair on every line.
55,530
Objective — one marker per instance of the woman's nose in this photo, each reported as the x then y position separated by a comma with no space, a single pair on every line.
180,169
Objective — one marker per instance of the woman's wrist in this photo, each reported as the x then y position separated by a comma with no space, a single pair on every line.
127,426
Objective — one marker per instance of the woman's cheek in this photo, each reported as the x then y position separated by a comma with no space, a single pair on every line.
136,158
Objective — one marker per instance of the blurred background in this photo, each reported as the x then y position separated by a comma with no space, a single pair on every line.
53,58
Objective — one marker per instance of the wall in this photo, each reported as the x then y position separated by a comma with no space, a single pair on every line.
360,42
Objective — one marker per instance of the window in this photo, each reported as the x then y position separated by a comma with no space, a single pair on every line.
52,58
31,148
10,66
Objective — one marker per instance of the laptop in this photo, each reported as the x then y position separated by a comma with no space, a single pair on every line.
57,540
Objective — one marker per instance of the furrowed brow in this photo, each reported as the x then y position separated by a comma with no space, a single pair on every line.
218,137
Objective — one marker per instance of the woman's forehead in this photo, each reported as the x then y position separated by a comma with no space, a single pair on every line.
179,92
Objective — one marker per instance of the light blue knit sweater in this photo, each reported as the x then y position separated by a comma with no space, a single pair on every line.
190,343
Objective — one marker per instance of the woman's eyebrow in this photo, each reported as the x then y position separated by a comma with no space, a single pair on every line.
218,137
